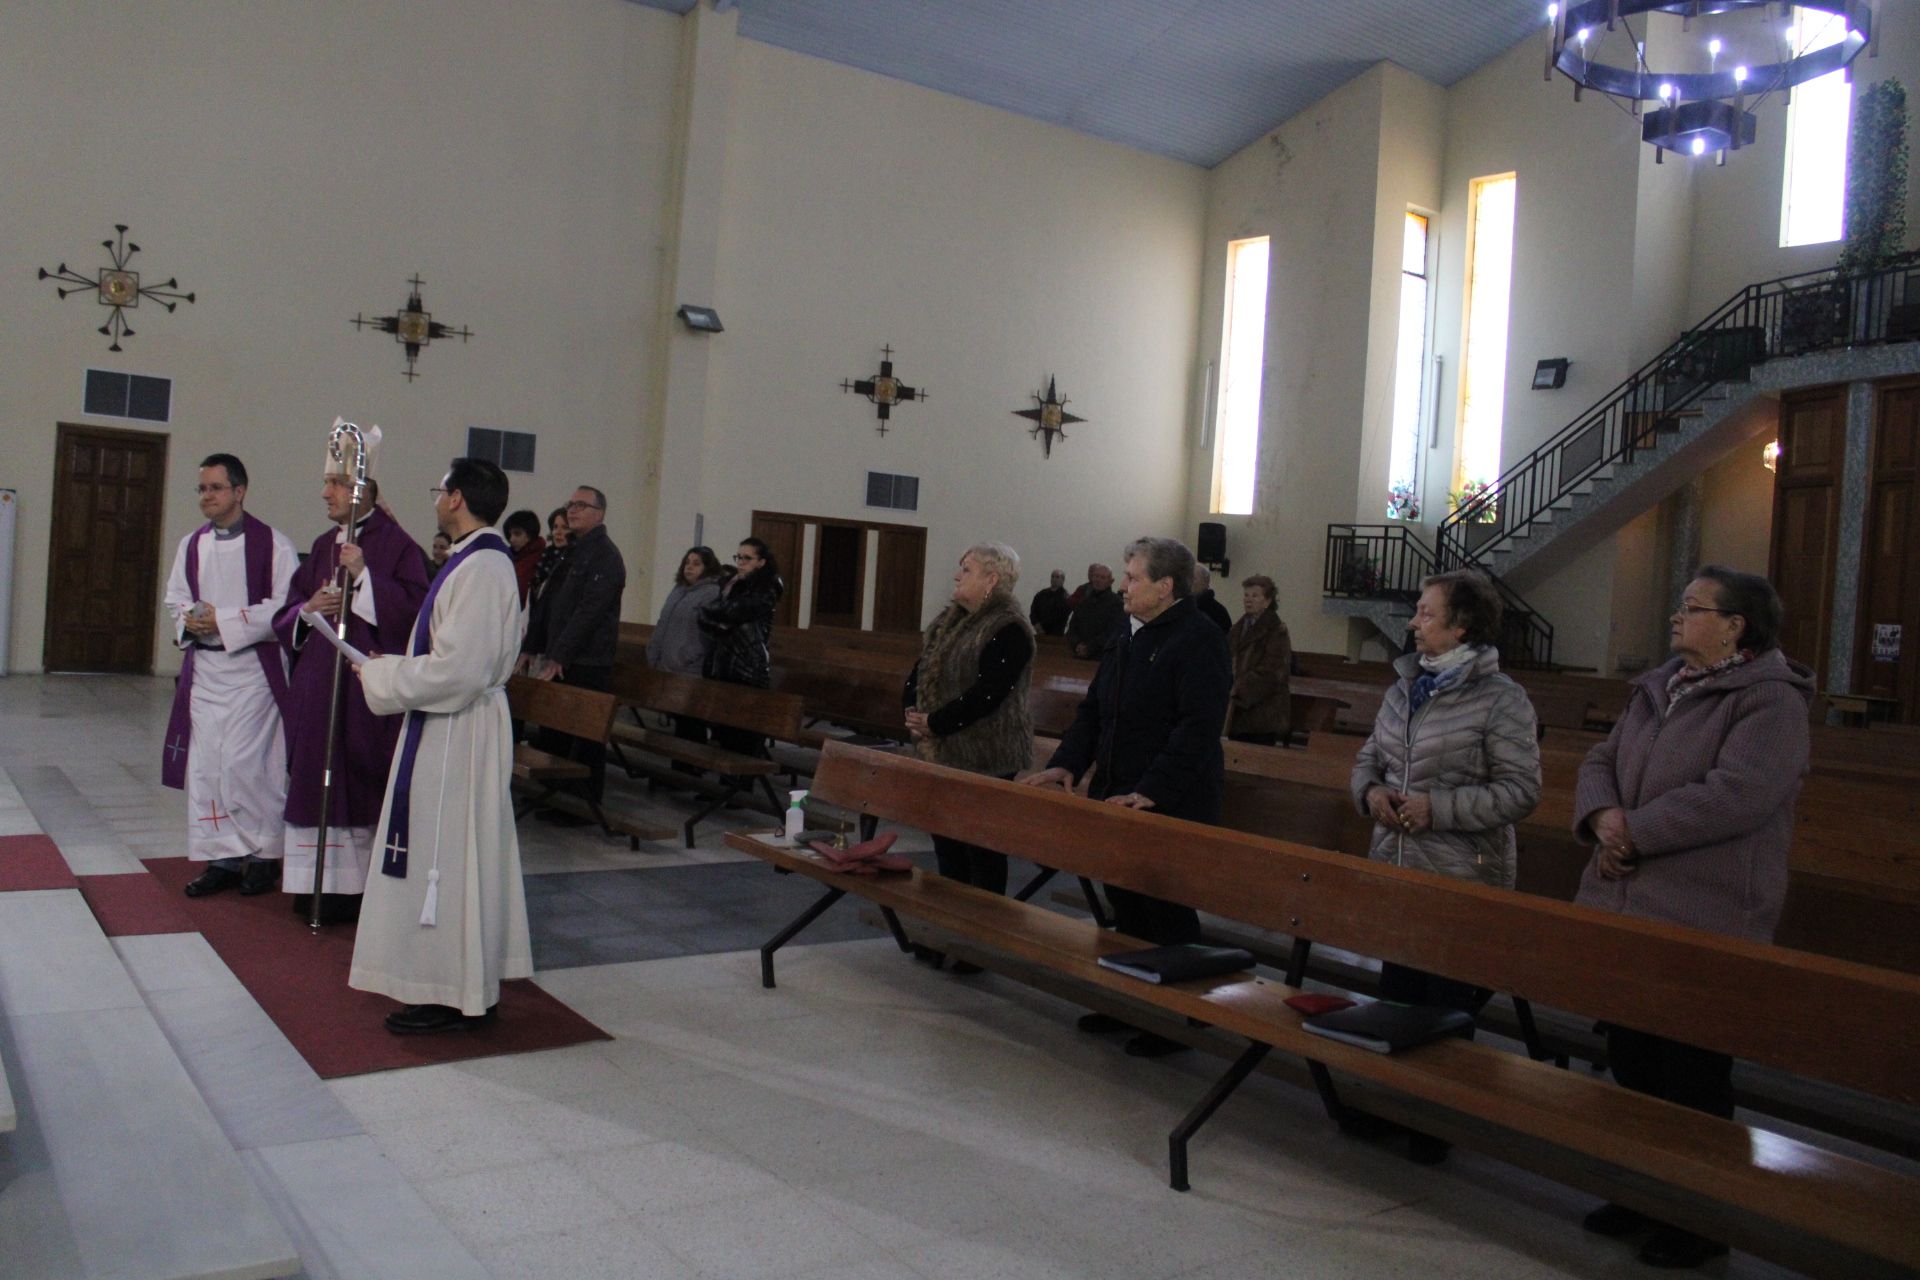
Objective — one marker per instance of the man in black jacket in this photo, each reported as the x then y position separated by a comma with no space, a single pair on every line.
581,626
1099,616
1151,723
1203,599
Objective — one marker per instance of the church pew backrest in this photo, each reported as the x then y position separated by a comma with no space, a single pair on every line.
582,713
1786,1009
764,711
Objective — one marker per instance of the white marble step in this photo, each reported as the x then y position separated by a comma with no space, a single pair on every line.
117,1169
9,1118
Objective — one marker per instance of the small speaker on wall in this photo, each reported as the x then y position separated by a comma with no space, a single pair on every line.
1212,545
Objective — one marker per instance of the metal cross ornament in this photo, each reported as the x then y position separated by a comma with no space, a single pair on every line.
883,389
117,286
413,326
1049,415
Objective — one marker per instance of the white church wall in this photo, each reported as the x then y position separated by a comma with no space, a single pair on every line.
293,165
990,251
1311,186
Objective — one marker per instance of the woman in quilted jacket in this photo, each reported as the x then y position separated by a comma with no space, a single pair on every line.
1452,764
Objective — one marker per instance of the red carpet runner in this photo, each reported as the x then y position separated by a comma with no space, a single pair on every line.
300,978
32,862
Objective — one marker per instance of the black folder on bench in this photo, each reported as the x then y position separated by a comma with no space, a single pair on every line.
1178,963
1384,1027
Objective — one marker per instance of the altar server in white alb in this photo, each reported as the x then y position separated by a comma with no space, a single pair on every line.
445,920
226,741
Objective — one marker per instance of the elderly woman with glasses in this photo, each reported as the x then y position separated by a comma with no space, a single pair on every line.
966,697
1689,807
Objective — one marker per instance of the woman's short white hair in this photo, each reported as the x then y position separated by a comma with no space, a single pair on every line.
998,559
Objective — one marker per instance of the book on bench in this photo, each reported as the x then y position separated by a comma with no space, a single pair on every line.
1385,1027
1178,963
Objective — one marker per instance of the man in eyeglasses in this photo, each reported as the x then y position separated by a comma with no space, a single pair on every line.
226,742
574,639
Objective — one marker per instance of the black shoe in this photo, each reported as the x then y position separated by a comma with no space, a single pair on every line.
964,969
1614,1221
1148,1045
1674,1249
1102,1024
1424,1148
927,955
429,1019
261,876
211,881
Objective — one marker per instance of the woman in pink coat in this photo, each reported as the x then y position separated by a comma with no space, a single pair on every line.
1689,807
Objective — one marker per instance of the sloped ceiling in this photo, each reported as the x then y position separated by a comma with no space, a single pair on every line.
1193,79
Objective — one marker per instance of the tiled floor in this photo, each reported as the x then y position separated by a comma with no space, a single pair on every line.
868,1120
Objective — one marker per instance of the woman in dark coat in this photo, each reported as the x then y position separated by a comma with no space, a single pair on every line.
1689,807
741,624
1262,710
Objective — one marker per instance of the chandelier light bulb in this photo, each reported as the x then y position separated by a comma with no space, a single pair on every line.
1699,146
1713,46
1583,37
1666,92
1740,75
1553,11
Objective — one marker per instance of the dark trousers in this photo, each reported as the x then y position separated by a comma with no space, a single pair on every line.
1403,985
689,729
744,742
1696,1078
580,750
970,864
1154,920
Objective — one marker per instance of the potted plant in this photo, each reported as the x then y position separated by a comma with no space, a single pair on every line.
1403,501
1471,491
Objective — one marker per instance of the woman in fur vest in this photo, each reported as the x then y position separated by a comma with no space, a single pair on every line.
967,696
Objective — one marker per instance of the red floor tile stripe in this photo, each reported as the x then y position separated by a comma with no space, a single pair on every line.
33,862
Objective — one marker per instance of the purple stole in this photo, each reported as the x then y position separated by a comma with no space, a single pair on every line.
259,552
393,862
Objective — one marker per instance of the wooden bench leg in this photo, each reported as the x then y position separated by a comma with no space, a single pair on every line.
1297,961
726,797
1094,906
1209,1103
1523,1012
1330,1096
894,927
1036,884
786,935
766,785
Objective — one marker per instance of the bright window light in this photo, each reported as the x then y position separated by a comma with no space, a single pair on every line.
1242,363
1813,196
1483,381
1410,362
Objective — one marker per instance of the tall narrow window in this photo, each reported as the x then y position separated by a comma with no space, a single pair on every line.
1812,198
1483,374
1242,361
1410,363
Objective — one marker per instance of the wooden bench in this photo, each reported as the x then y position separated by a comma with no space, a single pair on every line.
736,706
581,713
1842,1023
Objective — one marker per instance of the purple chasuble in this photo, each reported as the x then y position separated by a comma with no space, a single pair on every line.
259,553
363,749
393,861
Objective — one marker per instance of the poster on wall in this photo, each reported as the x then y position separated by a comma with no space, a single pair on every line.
1886,642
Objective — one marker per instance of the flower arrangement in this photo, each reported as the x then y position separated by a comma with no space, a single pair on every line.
1403,501
1471,491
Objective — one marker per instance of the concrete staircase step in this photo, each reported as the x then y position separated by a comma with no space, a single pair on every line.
117,1169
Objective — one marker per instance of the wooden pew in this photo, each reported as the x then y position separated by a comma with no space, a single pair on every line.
582,713
1845,1024
765,712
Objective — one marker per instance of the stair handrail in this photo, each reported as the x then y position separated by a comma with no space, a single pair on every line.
1524,489
1536,633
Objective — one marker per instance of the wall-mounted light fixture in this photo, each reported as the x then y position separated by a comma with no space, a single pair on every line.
1550,375
1770,456
700,319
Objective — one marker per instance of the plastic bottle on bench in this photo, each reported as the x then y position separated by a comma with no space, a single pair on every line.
796,815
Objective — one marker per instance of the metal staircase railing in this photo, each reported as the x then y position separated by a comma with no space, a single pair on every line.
1793,315
1386,562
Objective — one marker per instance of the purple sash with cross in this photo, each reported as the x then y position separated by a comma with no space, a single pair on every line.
393,861
259,552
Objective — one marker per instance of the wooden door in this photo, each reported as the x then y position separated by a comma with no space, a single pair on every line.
103,564
782,536
839,575
1806,515
899,575
1890,558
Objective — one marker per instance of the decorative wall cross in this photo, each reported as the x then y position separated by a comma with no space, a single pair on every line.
884,390
1049,416
117,286
413,326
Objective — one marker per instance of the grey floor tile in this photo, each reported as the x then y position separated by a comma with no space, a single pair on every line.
258,1086
353,1217
173,962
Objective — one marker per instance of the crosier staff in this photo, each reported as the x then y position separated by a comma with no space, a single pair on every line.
347,445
